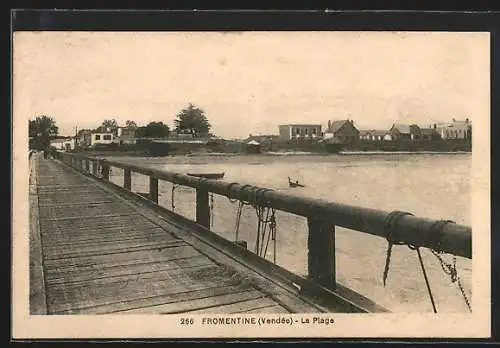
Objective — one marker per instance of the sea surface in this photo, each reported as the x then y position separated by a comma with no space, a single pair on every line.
435,186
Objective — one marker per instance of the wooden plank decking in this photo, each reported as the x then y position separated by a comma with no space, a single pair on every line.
94,253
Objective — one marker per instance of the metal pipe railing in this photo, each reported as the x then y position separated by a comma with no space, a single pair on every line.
322,215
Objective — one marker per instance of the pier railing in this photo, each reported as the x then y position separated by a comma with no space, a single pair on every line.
322,216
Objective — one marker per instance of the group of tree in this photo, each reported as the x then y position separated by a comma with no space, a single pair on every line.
41,130
190,120
153,130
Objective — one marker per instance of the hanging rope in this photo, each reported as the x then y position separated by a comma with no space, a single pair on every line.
266,231
266,218
428,285
436,236
272,234
238,219
391,225
172,198
211,209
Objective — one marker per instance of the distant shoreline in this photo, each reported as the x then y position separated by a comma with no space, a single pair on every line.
272,153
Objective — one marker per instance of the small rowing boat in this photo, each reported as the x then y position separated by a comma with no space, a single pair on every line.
294,184
208,175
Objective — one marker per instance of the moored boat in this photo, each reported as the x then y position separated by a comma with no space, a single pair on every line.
208,175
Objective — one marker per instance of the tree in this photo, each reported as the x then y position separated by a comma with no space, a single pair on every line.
41,129
112,125
153,130
192,120
131,124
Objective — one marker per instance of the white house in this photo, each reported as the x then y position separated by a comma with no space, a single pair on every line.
454,130
101,138
63,144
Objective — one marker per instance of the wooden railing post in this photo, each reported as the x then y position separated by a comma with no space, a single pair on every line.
153,189
127,179
105,172
95,166
202,208
321,254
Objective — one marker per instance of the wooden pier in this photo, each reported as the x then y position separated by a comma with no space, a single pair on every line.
96,248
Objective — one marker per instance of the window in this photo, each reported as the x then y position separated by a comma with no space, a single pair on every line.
306,131
107,137
297,131
97,137
314,130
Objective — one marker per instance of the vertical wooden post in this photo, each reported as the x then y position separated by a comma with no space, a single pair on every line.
94,167
127,179
105,172
153,189
202,208
321,256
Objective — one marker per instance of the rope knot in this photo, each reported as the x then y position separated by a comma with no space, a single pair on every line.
390,223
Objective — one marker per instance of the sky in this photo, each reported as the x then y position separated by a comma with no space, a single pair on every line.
250,82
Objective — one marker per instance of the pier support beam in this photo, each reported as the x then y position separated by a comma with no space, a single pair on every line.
153,189
321,255
202,208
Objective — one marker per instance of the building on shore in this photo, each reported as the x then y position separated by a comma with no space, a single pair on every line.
83,138
374,135
126,135
253,147
455,129
342,131
102,138
299,131
401,131
63,143
89,138
429,134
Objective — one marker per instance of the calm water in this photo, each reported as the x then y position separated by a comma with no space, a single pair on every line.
433,186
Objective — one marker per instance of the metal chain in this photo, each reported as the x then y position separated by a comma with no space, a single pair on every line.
451,270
